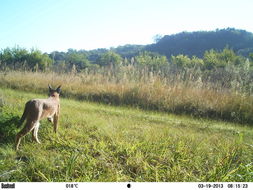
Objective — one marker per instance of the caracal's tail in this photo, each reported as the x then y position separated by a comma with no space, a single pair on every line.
21,121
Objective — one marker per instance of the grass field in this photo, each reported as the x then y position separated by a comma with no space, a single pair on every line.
143,90
97,142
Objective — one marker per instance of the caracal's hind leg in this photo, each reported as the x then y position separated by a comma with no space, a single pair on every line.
35,132
27,128
56,116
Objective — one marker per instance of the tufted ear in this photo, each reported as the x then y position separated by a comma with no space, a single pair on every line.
58,90
49,87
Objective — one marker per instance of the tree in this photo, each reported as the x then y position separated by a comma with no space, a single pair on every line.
20,56
110,58
251,56
181,60
78,59
197,62
151,60
211,59
6,58
38,61
214,59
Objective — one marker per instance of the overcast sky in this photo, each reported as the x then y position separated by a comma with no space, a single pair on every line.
50,25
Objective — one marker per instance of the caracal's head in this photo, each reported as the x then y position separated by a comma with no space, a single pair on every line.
54,93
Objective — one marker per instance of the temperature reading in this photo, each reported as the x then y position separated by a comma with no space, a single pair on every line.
71,185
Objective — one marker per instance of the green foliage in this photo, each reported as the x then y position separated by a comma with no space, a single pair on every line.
73,60
110,58
151,60
14,58
79,60
196,62
19,58
181,61
38,61
214,59
251,56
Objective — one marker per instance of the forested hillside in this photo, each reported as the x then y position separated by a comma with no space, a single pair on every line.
196,43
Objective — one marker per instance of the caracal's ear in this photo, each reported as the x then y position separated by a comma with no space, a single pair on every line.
58,89
50,88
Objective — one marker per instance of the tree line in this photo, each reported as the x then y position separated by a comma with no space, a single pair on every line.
21,59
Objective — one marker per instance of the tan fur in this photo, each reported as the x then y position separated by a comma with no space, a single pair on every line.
38,109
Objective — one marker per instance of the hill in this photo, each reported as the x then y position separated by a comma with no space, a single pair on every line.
196,43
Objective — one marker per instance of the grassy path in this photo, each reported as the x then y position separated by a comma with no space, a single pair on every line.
98,142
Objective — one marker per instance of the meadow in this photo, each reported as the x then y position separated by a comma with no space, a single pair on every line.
99,142
129,86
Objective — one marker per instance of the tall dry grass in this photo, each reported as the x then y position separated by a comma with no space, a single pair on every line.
140,88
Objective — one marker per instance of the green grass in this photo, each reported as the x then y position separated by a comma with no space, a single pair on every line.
97,142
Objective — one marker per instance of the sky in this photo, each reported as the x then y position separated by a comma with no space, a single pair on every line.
58,25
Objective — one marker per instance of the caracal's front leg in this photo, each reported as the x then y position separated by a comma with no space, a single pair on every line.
56,117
